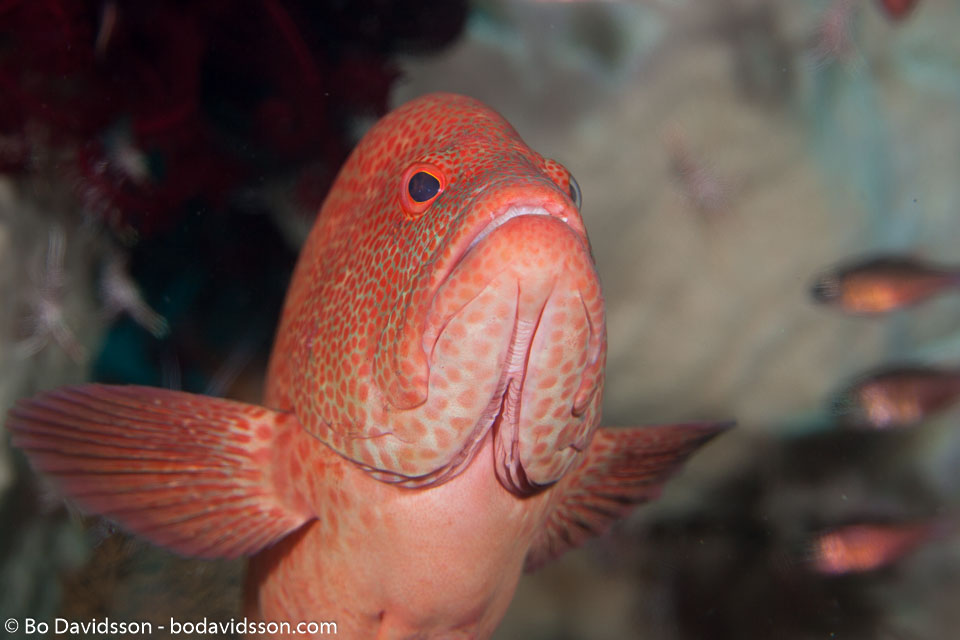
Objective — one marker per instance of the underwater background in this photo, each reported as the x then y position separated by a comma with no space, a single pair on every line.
160,164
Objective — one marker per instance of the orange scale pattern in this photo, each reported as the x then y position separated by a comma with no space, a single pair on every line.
392,354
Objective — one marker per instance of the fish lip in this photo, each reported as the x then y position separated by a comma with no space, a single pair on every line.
463,248
501,215
513,211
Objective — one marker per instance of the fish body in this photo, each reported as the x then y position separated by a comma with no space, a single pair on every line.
430,426
869,546
897,397
882,284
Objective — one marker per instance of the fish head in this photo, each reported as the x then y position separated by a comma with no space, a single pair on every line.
459,297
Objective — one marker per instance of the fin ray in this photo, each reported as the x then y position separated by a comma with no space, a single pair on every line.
622,468
189,472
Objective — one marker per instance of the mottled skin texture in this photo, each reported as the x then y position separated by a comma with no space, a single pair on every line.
399,563
397,348
432,401
371,352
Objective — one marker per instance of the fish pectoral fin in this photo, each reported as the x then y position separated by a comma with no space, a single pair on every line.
189,472
622,468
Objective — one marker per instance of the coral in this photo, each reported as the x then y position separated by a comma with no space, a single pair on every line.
47,316
120,294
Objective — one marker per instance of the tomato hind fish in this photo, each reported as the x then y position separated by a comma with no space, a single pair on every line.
430,426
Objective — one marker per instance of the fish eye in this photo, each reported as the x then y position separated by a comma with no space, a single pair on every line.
423,187
575,193
421,184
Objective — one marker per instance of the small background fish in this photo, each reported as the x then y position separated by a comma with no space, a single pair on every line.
897,397
867,546
833,158
883,284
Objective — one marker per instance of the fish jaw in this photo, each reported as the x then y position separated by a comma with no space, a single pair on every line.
480,205
523,312
349,359
475,303
518,300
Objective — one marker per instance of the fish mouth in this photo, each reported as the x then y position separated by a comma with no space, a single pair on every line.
505,399
520,205
512,212
433,329
470,327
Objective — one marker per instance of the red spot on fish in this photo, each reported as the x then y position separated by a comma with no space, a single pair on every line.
467,398
428,454
547,382
442,436
461,424
541,431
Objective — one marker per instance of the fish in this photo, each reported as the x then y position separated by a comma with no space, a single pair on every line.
881,284
868,546
430,424
897,397
897,9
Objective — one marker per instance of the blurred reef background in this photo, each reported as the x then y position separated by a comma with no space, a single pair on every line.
161,162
